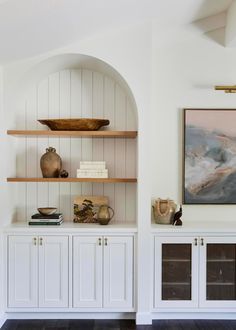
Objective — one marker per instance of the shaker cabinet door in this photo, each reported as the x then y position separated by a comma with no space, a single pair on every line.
22,271
118,272
87,271
53,271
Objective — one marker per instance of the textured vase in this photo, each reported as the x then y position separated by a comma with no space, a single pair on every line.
164,211
50,163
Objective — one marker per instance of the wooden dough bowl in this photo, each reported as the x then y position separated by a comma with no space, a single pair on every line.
73,124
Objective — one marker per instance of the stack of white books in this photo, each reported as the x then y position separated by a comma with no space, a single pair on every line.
92,169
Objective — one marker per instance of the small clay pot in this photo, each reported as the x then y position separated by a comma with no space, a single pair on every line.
50,163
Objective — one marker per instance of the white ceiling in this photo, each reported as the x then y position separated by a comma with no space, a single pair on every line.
31,27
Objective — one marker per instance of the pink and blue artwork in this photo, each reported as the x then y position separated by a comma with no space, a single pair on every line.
209,156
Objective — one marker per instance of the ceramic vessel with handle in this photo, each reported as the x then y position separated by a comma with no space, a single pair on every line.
104,215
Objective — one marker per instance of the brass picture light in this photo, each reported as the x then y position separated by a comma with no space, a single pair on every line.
227,89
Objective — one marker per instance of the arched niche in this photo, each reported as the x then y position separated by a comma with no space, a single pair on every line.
74,86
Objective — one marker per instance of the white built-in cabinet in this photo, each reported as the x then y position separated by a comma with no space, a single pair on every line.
103,271
38,271
74,272
194,272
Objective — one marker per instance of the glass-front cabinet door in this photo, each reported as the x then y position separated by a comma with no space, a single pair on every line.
176,272
218,272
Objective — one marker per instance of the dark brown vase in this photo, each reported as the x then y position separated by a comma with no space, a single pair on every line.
50,163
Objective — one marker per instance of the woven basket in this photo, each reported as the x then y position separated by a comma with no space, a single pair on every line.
164,211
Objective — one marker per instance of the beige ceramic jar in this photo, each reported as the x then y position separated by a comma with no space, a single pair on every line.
50,163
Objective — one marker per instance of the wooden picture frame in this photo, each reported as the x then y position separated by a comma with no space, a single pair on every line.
209,156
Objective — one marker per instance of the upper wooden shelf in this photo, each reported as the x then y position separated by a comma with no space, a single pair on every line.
40,133
101,180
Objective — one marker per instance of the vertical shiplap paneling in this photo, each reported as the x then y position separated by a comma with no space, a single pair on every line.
76,112
120,152
98,144
76,143
87,112
109,144
42,144
130,165
130,149
65,112
21,171
31,152
78,93
54,112
130,206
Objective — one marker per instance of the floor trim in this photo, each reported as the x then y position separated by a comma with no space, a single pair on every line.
143,318
3,319
193,316
71,316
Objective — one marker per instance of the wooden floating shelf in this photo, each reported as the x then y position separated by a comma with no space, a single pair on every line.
97,134
101,180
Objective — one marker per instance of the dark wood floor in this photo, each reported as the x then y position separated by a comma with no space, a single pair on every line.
118,325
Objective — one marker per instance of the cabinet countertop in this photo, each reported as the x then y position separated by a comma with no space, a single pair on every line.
71,228
197,227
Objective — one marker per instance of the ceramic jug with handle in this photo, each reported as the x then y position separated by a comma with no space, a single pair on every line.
105,214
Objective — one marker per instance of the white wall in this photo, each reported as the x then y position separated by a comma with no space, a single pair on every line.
184,75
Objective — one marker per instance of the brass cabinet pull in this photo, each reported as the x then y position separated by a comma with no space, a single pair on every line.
41,241
195,241
99,241
202,241
35,240
105,241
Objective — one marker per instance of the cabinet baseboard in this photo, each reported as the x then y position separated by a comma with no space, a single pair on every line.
3,319
48,316
198,315
143,318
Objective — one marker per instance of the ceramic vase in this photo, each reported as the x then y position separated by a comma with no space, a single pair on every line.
50,163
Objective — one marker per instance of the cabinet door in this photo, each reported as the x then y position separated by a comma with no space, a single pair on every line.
87,271
22,271
176,272
218,272
118,272
53,271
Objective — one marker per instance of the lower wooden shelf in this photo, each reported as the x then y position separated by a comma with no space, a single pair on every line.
101,180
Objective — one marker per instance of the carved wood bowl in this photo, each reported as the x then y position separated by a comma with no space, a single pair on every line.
47,210
75,124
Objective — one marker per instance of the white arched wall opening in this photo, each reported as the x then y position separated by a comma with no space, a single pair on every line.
70,86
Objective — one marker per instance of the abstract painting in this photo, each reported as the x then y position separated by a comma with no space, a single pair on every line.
209,156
